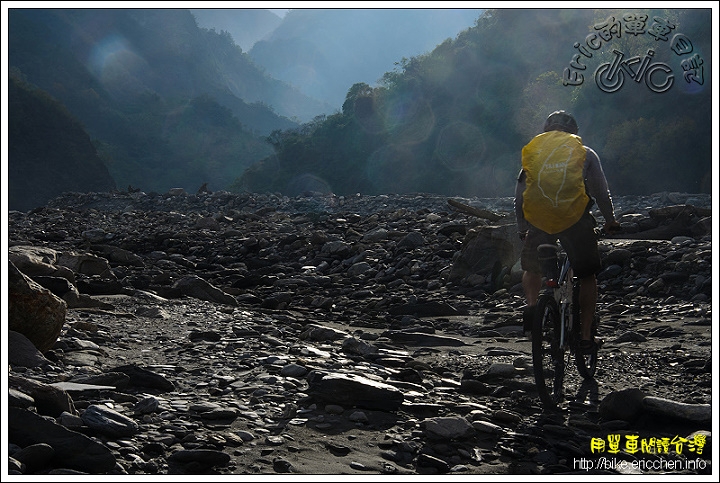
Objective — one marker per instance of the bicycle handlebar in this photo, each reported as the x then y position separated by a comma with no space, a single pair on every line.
601,232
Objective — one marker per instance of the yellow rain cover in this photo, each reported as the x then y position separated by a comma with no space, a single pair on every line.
554,197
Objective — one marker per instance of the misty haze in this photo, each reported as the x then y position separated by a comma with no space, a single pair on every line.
342,100
249,242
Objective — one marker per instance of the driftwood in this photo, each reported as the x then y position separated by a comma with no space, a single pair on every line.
471,210
674,211
676,220
684,221
666,408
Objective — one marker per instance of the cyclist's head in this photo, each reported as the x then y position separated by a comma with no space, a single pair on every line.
561,121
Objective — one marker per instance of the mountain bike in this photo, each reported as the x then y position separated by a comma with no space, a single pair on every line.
556,328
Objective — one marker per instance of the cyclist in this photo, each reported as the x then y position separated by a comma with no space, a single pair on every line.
558,184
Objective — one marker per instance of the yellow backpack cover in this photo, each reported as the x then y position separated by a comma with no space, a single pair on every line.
554,198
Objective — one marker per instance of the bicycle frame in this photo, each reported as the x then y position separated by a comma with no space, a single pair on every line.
556,327
561,289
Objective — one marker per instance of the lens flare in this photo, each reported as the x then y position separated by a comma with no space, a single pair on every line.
104,52
117,67
409,119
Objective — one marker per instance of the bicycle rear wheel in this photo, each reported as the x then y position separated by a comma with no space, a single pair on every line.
548,357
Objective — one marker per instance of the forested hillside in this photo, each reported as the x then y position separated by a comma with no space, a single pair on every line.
454,120
324,51
56,154
245,25
167,104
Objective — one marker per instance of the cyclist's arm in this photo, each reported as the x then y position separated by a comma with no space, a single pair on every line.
597,186
519,215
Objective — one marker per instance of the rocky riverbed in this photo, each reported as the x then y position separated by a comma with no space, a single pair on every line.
255,334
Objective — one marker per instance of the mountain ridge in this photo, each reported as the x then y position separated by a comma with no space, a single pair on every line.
325,51
245,29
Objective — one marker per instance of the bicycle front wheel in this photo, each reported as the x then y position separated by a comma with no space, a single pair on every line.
548,357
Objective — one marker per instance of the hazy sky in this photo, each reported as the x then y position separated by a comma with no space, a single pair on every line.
282,11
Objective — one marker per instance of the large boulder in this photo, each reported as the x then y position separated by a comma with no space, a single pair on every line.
196,287
624,405
34,311
72,450
86,264
39,261
47,399
22,352
486,250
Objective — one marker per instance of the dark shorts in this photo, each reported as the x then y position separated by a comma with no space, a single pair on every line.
579,242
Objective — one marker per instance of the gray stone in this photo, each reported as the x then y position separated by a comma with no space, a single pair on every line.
144,378
33,310
32,261
353,390
108,421
194,286
86,264
49,400
71,449
35,456
321,333
117,255
447,428
412,240
352,345
626,405
19,399
22,352
483,248
630,336
69,386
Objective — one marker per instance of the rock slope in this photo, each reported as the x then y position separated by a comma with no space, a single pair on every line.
251,334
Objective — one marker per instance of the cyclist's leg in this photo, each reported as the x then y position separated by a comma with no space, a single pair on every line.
580,243
531,282
532,278
588,301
